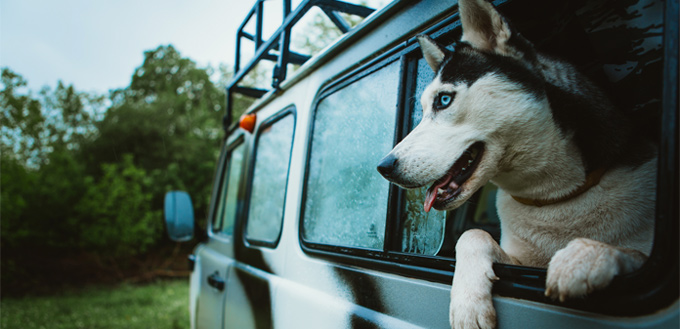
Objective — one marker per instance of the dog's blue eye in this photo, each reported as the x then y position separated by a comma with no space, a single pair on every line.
443,100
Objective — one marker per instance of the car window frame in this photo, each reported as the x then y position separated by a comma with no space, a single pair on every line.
252,159
230,141
331,89
238,139
344,81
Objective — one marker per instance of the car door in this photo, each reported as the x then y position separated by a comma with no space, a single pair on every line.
216,256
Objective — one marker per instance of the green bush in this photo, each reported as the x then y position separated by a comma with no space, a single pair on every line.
86,174
116,215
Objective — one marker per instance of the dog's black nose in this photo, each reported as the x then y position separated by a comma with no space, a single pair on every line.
387,165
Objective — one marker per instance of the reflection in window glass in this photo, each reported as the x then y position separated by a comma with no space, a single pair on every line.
268,193
346,198
232,180
422,232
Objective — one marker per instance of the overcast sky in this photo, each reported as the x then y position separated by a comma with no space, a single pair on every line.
97,44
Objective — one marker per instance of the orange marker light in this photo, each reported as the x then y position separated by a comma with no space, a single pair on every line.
247,122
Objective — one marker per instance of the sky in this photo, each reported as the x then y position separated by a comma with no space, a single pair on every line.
97,44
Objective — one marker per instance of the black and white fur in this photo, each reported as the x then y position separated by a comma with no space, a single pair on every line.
539,127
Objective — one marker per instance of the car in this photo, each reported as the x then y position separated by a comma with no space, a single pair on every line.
303,232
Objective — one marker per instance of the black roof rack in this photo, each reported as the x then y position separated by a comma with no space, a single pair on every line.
280,41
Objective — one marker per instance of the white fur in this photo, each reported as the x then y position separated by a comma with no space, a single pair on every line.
613,215
516,129
431,52
488,30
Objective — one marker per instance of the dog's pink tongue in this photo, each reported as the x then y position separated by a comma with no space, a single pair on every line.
429,199
431,195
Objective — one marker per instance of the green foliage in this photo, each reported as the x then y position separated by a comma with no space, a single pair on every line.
83,173
170,120
70,115
59,186
33,127
77,176
14,179
160,305
22,119
117,218
42,177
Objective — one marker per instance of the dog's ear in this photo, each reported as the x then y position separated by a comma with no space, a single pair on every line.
484,27
433,53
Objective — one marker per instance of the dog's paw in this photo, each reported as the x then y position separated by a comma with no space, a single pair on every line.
470,310
580,268
472,313
472,304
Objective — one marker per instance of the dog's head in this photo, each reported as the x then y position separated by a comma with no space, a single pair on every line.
485,96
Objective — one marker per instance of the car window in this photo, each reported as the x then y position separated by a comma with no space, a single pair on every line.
226,210
270,174
230,175
346,198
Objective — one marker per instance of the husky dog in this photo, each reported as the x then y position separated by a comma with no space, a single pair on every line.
576,181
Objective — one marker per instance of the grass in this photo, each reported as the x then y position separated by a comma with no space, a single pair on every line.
163,304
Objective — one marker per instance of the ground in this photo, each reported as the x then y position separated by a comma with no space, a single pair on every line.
158,304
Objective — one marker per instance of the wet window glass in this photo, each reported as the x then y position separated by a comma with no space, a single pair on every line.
346,198
422,232
226,211
268,191
424,77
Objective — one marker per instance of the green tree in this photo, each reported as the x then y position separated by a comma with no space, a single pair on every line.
22,120
77,178
170,120
41,173
32,127
70,115
15,202
117,218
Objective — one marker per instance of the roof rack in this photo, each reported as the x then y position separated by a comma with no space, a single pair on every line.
280,41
